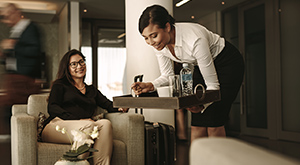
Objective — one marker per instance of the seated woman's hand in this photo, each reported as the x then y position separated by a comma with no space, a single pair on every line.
89,119
123,109
196,109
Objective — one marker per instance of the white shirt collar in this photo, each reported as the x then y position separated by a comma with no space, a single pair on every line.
18,29
178,37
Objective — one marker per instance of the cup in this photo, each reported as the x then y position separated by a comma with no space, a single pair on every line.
164,91
175,87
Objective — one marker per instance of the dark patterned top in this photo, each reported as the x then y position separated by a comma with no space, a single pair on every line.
68,103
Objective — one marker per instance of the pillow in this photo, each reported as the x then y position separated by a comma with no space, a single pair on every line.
40,125
98,116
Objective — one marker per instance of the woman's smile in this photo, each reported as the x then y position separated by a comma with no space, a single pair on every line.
157,46
80,70
156,37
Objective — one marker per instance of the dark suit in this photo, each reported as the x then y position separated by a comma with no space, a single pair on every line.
28,52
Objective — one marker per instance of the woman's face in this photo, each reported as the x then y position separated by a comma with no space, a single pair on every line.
157,37
77,66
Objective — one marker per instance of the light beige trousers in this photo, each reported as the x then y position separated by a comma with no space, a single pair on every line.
104,143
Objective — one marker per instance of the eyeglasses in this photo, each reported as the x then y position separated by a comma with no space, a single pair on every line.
75,64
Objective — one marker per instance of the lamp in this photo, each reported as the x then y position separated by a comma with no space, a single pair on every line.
181,3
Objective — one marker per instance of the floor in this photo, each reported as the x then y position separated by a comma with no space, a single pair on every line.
5,154
182,156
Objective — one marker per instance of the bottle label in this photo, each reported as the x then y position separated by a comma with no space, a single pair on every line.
186,77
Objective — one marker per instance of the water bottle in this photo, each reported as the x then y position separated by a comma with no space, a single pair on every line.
186,76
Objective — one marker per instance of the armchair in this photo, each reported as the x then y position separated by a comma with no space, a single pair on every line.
128,136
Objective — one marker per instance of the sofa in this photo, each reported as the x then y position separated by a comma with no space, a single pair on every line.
230,151
128,136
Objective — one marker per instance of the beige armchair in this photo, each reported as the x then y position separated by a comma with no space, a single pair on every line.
128,136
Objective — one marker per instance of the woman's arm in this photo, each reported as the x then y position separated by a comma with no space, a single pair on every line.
166,70
201,52
105,103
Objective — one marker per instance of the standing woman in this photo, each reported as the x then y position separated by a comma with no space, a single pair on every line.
218,65
72,104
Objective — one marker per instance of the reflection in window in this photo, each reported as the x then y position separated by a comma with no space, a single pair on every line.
111,66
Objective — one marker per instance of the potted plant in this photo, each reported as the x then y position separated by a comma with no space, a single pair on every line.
81,144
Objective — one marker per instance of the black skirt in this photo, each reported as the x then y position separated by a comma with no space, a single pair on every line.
229,66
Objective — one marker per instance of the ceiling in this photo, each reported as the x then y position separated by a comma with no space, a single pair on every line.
115,9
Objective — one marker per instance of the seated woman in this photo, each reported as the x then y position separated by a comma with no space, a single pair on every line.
72,104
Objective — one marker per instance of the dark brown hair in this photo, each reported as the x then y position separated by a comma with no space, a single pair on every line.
157,15
63,70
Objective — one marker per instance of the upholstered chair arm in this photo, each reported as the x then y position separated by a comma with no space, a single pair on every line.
23,137
129,128
18,109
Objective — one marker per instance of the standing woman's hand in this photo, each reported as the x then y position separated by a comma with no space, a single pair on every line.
141,87
195,109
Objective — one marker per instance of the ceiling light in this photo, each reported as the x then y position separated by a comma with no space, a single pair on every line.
110,41
85,10
181,3
193,17
223,2
121,35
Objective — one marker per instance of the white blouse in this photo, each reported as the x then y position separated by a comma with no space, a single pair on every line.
196,45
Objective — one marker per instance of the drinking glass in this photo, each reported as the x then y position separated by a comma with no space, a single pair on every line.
174,83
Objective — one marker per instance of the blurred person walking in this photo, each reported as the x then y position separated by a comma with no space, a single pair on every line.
21,51
20,57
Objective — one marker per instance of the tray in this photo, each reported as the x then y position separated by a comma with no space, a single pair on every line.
155,102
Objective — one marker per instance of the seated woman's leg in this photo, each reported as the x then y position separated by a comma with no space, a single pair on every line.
50,134
104,143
